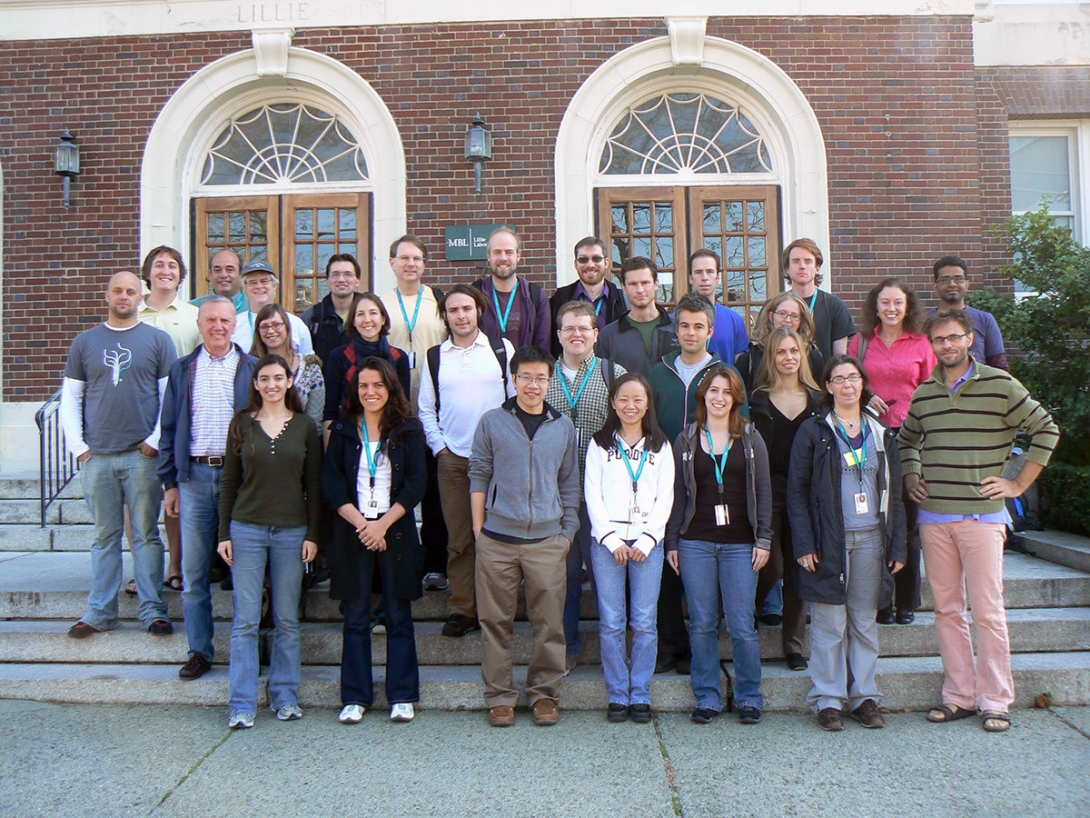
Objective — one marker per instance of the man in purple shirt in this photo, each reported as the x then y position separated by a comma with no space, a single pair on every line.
517,308
951,284
591,265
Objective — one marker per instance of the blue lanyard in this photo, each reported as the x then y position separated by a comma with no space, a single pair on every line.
372,463
813,301
598,306
567,390
496,300
416,312
720,465
858,461
628,465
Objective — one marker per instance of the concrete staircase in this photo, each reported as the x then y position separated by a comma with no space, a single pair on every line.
45,576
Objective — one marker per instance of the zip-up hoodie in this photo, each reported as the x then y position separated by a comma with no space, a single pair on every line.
758,486
674,402
531,486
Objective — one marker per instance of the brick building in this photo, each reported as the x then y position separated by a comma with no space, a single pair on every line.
888,131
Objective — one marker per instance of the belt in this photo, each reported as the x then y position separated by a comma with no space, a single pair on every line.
213,460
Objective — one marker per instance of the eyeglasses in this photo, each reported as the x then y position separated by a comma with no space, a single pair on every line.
276,326
337,274
529,379
574,330
952,280
940,340
840,380
784,315
588,259
260,282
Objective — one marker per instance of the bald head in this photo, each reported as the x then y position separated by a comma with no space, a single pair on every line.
123,295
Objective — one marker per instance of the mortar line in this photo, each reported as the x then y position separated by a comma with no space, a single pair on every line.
190,771
1073,726
670,771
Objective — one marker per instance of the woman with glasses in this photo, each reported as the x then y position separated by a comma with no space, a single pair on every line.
273,336
848,535
898,357
718,538
783,310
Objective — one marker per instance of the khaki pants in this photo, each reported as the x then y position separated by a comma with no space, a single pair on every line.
501,567
454,497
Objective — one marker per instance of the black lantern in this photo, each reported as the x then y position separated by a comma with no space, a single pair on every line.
478,147
67,161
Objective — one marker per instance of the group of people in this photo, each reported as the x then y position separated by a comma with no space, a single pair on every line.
590,435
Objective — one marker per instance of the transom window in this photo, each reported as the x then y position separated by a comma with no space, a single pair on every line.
284,144
685,132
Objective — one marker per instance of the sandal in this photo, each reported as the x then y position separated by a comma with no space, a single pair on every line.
174,582
1000,722
130,589
945,713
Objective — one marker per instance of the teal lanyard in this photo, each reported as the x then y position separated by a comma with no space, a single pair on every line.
598,306
813,301
720,465
628,465
574,402
859,461
496,300
416,312
372,462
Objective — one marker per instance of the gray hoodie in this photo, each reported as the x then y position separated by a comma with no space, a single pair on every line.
531,486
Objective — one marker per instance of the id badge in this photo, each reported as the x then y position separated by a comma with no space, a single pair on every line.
722,514
579,438
853,458
634,511
861,505
412,360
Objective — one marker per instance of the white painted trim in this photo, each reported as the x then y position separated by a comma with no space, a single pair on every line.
59,19
776,105
687,39
194,116
1077,133
1031,32
18,436
271,50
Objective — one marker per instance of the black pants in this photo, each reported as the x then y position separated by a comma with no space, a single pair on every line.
906,582
673,637
433,528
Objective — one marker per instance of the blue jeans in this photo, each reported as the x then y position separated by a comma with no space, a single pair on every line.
708,569
200,513
402,669
628,683
111,482
578,555
282,548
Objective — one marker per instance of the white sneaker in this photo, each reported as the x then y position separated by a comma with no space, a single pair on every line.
240,720
352,714
402,712
289,712
435,581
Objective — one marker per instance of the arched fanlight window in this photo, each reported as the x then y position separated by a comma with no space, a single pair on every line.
284,143
685,132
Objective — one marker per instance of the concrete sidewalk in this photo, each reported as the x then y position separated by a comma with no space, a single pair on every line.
83,761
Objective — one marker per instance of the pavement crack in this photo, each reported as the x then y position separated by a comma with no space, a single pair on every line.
1070,724
670,769
190,771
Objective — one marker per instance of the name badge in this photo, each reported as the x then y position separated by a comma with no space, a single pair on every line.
412,360
722,514
861,504
853,458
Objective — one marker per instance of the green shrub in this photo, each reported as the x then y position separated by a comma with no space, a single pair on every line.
1065,498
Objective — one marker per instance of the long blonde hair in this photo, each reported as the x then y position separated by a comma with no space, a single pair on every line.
768,377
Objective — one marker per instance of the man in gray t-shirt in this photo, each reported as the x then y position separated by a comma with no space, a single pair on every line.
113,387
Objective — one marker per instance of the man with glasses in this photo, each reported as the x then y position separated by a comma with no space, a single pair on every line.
524,495
591,265
951,284
326,319
640,338
260,283
517,308
955,442
579,388
224,279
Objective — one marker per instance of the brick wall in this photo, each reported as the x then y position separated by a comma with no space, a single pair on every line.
896,100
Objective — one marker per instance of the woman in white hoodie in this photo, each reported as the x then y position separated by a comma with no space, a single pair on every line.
629,488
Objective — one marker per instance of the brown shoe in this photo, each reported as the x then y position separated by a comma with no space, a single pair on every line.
502,715
831,719
196,667
869,715
546,713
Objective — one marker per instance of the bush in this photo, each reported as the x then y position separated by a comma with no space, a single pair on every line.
1065,498
1050,330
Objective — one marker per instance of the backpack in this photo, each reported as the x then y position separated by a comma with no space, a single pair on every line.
498,349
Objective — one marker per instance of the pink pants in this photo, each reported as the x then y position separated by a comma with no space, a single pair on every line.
955,555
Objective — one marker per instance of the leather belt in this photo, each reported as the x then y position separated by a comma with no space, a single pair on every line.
213,460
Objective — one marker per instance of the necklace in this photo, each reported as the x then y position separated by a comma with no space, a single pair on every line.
851,424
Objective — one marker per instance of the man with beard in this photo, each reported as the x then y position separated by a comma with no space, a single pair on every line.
517,309
591,264
951,284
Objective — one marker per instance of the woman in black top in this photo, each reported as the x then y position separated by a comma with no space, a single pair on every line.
784,397
718,538
373,477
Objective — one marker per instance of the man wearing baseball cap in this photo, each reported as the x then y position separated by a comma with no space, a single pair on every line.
259,282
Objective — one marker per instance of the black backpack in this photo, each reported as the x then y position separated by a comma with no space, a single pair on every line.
498,349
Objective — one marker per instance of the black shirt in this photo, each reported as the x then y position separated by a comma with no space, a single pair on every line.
702,526
784,430
531,423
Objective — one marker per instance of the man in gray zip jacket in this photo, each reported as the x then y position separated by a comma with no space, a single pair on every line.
524,493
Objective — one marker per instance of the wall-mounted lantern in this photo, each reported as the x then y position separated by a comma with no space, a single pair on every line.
478,147
67,161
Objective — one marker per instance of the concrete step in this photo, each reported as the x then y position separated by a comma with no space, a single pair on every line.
60,537
906,683
1058,547
27,486
47,641
61,512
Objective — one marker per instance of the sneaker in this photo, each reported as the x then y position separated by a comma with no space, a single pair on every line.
748,715
240,720
435,581
869,715
160,627
795,661
703,715
502,715
289,712
830,719
459,625
402,712
546,713
352,714
378,627
617,712
196,667
640,713
81,630
571,661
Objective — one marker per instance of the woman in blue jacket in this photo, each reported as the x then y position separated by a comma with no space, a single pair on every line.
373,477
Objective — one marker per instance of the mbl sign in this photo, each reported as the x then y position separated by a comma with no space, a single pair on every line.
469,242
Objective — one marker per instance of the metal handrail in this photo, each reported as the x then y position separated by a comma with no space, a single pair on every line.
57,466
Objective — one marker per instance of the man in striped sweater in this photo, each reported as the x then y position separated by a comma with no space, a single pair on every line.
954,444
